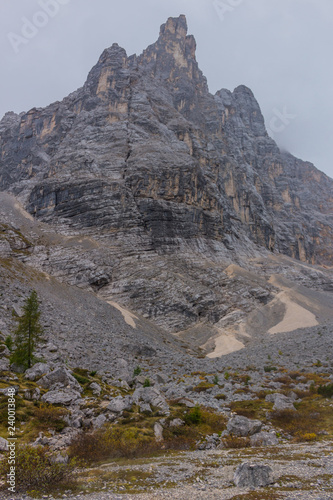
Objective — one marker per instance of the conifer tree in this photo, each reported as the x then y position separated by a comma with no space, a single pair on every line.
28,333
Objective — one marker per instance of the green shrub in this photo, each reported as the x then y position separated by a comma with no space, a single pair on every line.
146,383
93,373
203,386
216,380
326,390
221,396
194,416
227,375
270,369
80,379
35,469
9,342
137,371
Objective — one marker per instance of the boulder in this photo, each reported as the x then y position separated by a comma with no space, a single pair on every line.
96,388
264,439
3,444
187,402
249,475
4,364
145,408
64,397
176,422
5,390
60,376
210,443
99,421
139,380
37,371
41,440
60,459
124,385
280,401
32,394
5,249
17,368
158,431
161,378
119,404
4,351
123,371
243,426
51,347
152,396
174,392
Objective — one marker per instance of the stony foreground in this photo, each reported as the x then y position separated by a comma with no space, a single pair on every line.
299,472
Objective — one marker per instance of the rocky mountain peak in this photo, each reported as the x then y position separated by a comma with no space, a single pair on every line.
242,105
158,171
174,26
174,51
174,33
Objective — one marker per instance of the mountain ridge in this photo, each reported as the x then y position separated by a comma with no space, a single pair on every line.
168,179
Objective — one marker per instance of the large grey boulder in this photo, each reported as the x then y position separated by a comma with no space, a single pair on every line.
5,390
176,422
161,378
152,396
145,408
32,394
280,401
242,426
96,388
5,249
17,368
158,431
4,351
123,371
99,421
64,397
3,444
211,443
253,475
37,371
264,439
119,404
4,364
60,376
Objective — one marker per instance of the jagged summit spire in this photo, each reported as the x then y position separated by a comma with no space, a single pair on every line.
175,26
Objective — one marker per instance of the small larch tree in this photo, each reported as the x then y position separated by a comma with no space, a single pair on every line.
28,333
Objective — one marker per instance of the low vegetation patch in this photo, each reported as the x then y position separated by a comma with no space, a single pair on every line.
114,442
305,424
236,442
50,417
36,470
203,386
326,390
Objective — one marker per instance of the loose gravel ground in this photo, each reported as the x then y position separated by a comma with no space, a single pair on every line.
300,471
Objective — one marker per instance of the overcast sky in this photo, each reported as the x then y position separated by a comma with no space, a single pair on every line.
281,49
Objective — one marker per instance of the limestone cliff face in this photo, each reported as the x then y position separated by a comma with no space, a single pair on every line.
145,160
